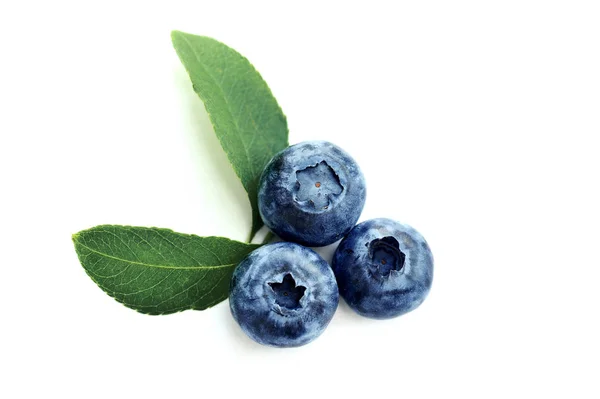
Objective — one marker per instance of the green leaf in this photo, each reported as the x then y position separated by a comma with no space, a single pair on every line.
246,117
159,271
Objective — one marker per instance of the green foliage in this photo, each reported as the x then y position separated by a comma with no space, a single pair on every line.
246,117
159,271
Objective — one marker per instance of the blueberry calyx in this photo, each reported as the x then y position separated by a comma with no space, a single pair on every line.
287,293
386,256
318,185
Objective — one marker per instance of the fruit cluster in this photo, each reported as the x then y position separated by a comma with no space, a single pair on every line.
284,294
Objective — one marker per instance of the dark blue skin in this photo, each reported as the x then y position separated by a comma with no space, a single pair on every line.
384,268
311,193
283,295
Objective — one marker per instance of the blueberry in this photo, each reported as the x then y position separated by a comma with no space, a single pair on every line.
311,193
283,295
384,268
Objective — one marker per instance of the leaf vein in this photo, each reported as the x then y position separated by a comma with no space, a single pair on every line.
194,267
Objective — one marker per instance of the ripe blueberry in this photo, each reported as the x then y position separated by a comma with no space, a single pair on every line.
384,268
311,193
283,295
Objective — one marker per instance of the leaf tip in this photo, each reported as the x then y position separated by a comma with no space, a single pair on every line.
177,35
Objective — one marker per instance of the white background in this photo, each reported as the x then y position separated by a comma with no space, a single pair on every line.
474,121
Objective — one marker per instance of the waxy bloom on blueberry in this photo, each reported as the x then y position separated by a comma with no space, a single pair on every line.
311,193
383,268
283,295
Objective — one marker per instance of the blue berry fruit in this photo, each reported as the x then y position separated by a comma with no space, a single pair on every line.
383,268
283,295
311,193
